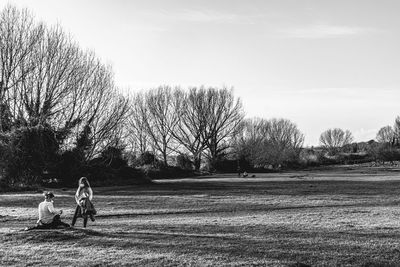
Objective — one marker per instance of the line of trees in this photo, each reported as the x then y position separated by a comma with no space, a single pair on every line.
54,97
47,80
269,142
388,146
60,109
198,122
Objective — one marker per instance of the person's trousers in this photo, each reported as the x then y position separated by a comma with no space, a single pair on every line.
54,224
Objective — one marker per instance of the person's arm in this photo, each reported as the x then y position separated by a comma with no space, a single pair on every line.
90,194
77,196
39,219
52,210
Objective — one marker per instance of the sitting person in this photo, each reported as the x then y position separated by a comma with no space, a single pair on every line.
49,218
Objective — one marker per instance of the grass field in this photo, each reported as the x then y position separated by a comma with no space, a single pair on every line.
337,217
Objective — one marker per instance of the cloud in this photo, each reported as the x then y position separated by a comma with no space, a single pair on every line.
209,16
321,31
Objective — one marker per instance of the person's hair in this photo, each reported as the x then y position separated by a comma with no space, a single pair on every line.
84,181
48,195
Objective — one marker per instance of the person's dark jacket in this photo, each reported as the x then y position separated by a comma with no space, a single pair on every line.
86,208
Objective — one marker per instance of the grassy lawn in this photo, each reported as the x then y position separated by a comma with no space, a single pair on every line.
344,217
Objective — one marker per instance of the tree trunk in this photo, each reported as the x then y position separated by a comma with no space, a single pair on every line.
165,158
197,162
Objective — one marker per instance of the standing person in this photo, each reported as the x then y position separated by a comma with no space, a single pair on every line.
49,218
83,198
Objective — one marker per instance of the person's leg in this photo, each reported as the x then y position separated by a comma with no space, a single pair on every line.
92,217
39,227
57,222
57,218
54,224
85,219
75,215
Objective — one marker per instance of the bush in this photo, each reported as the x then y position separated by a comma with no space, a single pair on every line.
107,170
114,158
231,165
101,175
29,154
309,157
388,154
184,162
166,172
106,176
69,168
146,158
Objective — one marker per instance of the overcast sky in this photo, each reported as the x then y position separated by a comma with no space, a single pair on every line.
321,64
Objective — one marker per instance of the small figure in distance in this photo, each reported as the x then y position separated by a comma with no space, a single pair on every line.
49,218
245,174
239,171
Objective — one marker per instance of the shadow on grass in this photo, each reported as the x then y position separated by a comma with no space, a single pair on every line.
250,208
50,235
265,187
333,248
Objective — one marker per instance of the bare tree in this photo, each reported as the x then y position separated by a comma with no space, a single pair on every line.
136,126
45,91
396,131
71,90
191,106
385,135
334,139
249,138
19,36
47,79
223,114
285,133
108,124
160,119
283,142
274,142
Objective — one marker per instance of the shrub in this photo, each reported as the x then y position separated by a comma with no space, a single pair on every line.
69,168
184,162
101,175
31,152
112,157
166,172
231,165
146,158
386,153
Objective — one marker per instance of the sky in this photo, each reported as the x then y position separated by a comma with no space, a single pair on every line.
321,64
